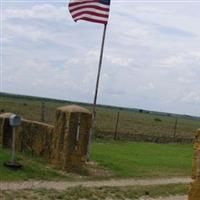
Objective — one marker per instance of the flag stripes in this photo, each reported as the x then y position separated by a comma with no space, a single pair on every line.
94,10
91,11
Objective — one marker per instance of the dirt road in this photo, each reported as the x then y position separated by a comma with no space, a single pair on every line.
112,183
167,198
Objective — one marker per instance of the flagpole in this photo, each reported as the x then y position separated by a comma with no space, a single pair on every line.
98,74
96,89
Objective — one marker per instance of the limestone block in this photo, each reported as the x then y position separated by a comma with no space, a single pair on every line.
65,145
71,136
5,130
196,156
194,192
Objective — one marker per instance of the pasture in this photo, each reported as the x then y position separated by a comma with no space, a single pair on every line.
121,159
141,159
131,121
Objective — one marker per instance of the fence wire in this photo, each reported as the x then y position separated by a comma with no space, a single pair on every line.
112,122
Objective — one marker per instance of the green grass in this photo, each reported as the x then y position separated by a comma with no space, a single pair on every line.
130,122
144,160
114,193
33,168
122,159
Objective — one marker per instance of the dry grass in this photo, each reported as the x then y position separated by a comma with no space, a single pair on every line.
111,193
130,122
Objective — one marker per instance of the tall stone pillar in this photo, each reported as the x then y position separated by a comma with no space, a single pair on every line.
194,192
5,130
71,137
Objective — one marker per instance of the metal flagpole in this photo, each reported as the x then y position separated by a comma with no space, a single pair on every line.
96,89
98,74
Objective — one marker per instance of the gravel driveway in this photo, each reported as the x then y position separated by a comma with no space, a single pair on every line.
167,198
66,184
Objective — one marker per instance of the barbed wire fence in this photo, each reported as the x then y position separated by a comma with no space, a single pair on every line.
116,124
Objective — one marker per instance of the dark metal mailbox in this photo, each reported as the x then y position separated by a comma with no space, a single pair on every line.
15,120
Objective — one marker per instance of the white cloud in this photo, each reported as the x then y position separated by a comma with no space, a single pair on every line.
172,61
196,55
27,32
192,98
118,60
45,12
151,57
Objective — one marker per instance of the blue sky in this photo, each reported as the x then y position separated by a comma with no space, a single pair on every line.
151,60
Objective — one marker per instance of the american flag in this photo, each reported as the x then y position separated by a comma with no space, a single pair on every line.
96,11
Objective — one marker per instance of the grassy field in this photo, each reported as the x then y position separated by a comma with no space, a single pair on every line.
140,160
112,193
121,159
33,168
130,122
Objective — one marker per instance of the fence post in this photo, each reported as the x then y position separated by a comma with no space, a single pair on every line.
175,128
43,111
116,136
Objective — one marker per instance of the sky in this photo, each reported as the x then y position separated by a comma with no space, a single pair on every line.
151,56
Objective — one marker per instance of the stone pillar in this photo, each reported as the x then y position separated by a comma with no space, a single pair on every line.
5,130
194,192
71,137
